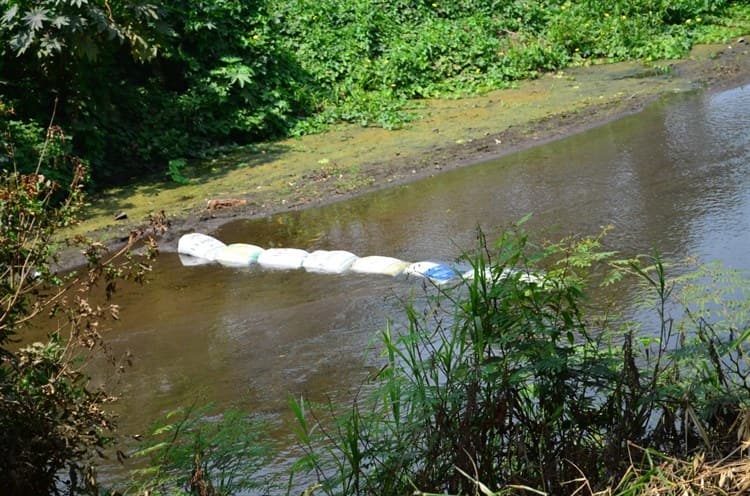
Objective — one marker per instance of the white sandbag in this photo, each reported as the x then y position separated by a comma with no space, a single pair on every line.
199,245
436,272
531,278
523,276
379,265
418,268
238,255
469,274
334,262
190,261
282,258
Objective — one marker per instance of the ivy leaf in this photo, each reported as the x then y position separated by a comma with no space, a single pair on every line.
35,18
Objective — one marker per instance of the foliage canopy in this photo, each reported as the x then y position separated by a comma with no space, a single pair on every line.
141,82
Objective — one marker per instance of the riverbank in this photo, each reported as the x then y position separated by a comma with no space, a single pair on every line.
299,173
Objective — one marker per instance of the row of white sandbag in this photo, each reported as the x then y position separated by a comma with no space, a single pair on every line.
205,249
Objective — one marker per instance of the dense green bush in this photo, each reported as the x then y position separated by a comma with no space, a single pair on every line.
392,51
230,77
28,149
138,86
140,82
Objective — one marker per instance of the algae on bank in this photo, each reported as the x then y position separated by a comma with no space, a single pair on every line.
314,169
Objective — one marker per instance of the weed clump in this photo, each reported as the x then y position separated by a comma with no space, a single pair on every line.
511,381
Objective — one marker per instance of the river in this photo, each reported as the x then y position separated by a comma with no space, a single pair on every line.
674,177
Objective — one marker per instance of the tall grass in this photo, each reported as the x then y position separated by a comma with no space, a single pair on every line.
515,381
526,378
203,452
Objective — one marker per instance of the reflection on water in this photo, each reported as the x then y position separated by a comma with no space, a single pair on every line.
674,177
652,176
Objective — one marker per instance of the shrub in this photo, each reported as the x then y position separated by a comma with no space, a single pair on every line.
206,453
51,419
139,82
516,380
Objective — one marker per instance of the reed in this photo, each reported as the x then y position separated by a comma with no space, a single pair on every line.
517,384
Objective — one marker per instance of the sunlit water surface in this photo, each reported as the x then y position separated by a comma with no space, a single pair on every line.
674,177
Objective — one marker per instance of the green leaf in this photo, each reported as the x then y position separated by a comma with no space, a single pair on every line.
49,45
235,72
240,78
35,18
60,21
175,170
22,41
9,15
163,429
87,49
150,449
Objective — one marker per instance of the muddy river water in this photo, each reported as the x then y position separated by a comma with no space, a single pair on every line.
675,177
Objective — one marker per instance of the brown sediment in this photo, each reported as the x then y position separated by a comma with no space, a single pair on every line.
448,133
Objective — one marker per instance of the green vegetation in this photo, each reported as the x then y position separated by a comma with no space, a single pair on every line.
517,383
508,383
190,448
52,421
140,83
519,379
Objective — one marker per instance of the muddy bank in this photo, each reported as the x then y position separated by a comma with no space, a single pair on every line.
350,160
